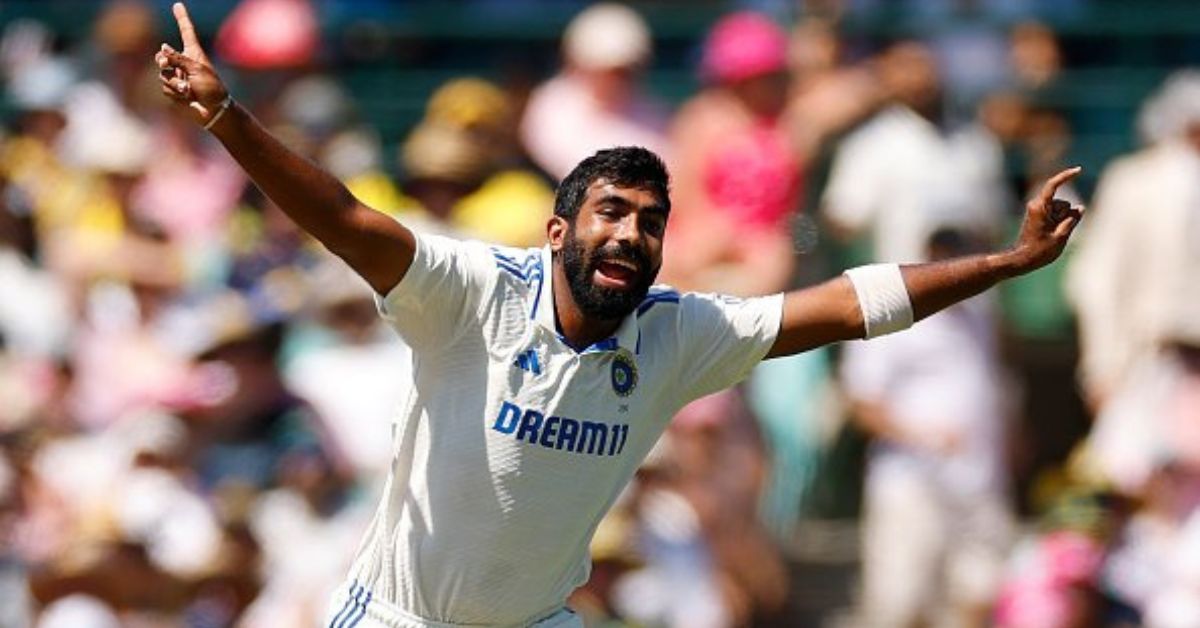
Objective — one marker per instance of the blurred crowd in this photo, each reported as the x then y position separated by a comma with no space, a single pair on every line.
196,398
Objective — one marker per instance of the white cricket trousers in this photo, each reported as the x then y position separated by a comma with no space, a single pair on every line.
352,607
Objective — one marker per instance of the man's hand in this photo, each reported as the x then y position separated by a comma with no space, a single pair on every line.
187,77
1047,226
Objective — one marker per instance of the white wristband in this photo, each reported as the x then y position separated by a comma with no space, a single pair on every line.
221,109
883,298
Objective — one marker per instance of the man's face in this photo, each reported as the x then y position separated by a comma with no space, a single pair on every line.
613,250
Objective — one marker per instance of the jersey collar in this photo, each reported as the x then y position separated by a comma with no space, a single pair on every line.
627,334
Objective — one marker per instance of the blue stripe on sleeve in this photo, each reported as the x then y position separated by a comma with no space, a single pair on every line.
359,613
662,297
511,269
507,258
534,259
347,606
529,271
535,272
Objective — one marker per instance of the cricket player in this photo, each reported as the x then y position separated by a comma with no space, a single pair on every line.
542,377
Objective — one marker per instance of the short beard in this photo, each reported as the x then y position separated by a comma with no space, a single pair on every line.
597,301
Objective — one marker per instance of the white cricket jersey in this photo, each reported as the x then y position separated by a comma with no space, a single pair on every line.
511,445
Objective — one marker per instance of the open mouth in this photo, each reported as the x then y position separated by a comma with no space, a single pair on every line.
616,273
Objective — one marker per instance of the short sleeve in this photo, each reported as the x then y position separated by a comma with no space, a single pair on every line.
723,338
441,294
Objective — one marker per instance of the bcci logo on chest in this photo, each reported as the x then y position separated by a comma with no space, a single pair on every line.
624,373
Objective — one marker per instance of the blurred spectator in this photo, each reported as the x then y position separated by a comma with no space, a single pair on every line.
1054,575
124,32
119,520
296,583
246,424
828,94
109,106
971,57
596,100
795,399
901,175
936,518
1034,56
40,183
269,34
721,472
1148,421
736,172
320,118
266,252
799,409
1133,276
677,583
35,316
742,145
185,160
1021,114
349,367
463,169
124,356
1152,568
615,553
1138,334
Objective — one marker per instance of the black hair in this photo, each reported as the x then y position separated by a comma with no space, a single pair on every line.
625,166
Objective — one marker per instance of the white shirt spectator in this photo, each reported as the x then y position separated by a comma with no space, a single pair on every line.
940,376
900,178
353,389
1133,279
35,318
936,522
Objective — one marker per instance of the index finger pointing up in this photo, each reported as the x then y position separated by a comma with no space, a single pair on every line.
191,43
1051,186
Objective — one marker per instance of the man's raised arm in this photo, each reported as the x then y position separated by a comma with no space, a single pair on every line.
375,246
877,299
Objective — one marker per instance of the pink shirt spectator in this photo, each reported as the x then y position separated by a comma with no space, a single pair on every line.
595,102
214,179
564,124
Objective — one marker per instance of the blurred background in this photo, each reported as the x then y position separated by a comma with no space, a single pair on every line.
195,398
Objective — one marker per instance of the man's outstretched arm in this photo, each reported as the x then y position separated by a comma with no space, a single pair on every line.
833,310
377,247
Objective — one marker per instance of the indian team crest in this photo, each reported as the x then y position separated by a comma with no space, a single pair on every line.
624,373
